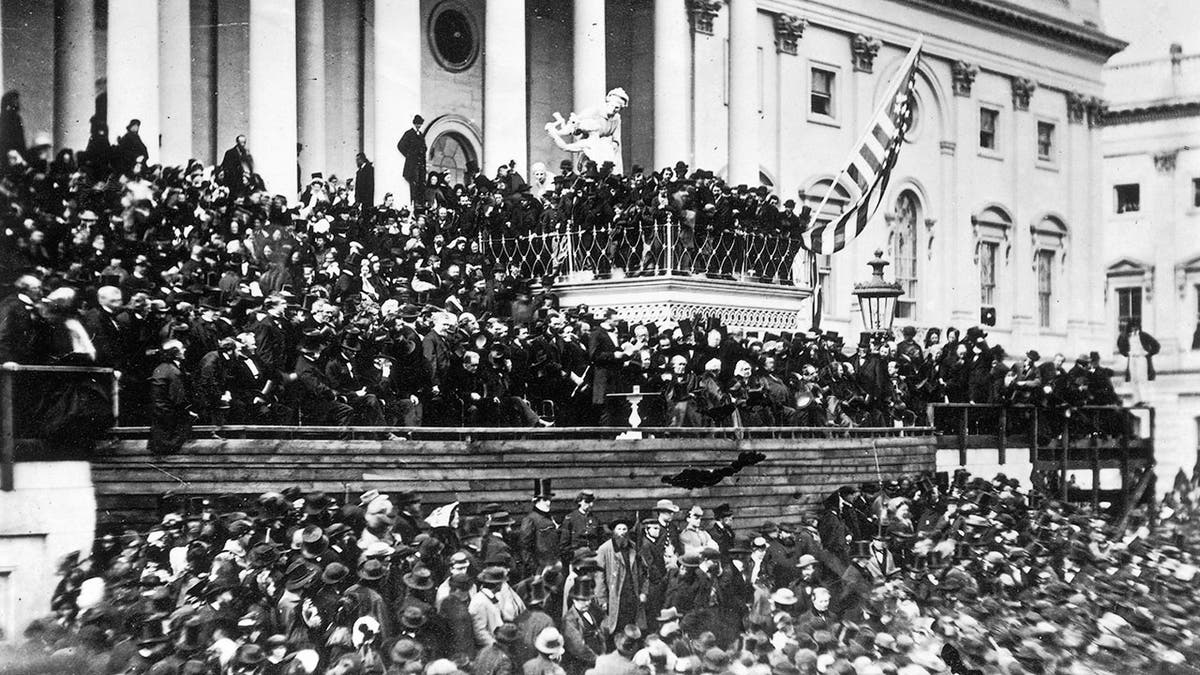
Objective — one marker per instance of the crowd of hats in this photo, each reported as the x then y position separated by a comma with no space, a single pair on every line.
965,576
198,261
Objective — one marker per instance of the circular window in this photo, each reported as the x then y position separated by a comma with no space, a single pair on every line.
914,111
450,152
453,37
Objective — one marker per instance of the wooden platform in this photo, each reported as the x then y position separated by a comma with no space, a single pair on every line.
800,469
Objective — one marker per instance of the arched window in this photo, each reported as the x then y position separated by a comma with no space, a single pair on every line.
992,227
1049,248
450,152
904,232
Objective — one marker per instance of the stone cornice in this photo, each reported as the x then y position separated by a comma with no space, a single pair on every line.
1152,112
1012,16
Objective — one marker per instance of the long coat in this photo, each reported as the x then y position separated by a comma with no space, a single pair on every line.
412,146
605,365
171,424
620,570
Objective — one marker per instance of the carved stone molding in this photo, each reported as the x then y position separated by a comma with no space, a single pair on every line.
702,13
1022,90
788,31
1164,162
1076,107
964,77
864,49
948,147
1097,108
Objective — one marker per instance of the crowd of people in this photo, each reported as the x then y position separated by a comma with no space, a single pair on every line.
220,302
914,576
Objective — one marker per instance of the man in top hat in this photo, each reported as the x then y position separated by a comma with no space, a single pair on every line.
582,631
580,528
622,582
412,146
538,535
408,514
721,529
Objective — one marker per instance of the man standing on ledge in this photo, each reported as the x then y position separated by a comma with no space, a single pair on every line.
412,146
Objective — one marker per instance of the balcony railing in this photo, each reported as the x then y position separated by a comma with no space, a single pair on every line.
621,252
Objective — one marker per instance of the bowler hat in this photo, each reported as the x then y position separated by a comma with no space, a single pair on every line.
507,634
420,579
413,617
334,574
370,570
549,642
300,574
492,575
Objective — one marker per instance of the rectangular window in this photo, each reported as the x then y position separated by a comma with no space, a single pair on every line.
821,100
1196,192
1128,197
987,273
1045,140
988,118
1129,307
1045,281
825,277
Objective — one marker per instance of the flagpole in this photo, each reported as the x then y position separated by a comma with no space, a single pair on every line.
884,102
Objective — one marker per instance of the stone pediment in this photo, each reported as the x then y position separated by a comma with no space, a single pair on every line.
1123,267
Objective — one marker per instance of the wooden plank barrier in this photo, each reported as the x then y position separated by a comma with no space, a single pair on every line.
627,475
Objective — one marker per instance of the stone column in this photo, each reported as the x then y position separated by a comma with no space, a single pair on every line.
175,69
74,72
310,85
133,91
672,65
505,121
397,89
1022,298
743,92
961,264
591,74
272,136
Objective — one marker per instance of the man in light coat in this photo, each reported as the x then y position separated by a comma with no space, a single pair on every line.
622,586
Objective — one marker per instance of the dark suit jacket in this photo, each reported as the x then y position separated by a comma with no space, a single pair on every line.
605,365
272,344
460,640
18,333
437,357
230,171
412,146
364,185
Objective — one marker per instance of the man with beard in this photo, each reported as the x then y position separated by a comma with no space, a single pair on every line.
622,580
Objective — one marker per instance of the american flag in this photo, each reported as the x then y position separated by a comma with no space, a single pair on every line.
869,167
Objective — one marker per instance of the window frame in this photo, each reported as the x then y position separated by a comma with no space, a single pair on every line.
1141,302
833,118
909,279
1116,194
998,130
1045,298
1051,160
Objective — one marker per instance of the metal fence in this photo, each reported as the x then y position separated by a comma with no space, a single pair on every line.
620,252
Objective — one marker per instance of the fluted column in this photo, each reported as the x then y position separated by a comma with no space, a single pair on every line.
591,74
272,141
672,63
398,45
74,72
310,83
133,91
505,123
743,92
175,69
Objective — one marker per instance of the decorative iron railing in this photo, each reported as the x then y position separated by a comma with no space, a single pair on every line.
622,252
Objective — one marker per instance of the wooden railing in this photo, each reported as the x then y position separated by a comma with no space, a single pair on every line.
8,431
1058,439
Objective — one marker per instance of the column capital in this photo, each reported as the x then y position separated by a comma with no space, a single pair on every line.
788,31
948,148
1022,90
1097,109
1076,107
1164,162
864,49
702,13
964,77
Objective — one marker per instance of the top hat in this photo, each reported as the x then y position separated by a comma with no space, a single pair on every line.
860,549
541,489
584,589
722,511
